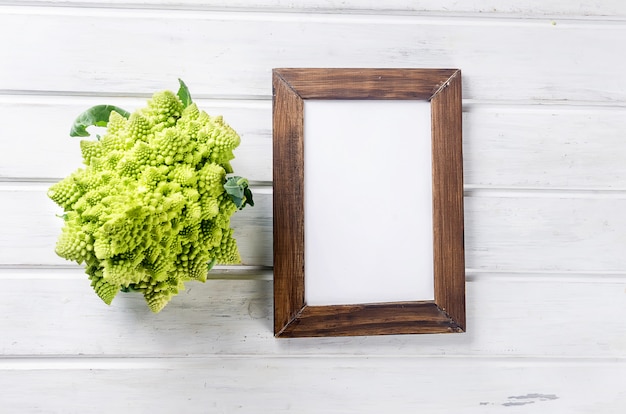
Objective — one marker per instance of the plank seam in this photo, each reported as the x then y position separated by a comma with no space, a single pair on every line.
157,361
20,184
358,16
10,96
323,11
248,272
61,94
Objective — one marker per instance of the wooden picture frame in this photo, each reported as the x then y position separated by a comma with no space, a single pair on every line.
446,313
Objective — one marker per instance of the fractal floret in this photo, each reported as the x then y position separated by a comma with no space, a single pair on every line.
151,207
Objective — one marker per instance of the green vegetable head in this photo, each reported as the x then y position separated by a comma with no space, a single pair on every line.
151,207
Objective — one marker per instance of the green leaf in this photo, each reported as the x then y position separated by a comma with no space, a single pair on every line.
97,115
183,94
239,191
248,194
234,187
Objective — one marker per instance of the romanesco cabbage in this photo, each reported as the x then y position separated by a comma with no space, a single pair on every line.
149,210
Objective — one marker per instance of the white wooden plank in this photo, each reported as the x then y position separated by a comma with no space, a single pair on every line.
523,316
503,231
527,8
536,343
227,53
44,149
316,385
544,146
30,227
553,146
557,232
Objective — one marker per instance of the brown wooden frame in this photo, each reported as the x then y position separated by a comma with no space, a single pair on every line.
446,313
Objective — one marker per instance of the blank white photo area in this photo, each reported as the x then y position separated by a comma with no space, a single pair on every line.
368,203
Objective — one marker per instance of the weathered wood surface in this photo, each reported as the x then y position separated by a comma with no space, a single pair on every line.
448,202
43,149
365,83
504,231
291,87
30,227
609,8
525,315
535,146
545,177
530,59
313,385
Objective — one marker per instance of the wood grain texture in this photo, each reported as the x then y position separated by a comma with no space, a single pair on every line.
56,314
504,230
30,227
288,202
545,177
556,146
354,83
319,384
568,233
44,149
545,146
293,317
567,53
370,319
448,211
